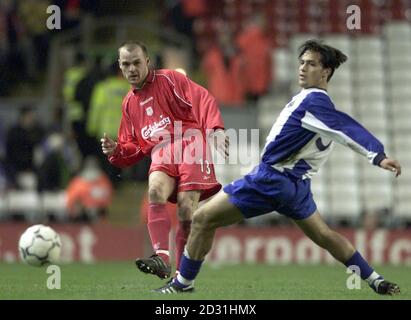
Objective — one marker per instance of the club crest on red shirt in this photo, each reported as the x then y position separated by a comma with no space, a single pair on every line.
149,111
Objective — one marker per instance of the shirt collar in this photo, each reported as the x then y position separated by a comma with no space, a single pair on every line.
314,89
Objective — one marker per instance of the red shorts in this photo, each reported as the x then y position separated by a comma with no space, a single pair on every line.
189,176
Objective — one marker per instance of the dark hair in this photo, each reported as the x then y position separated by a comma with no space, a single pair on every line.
330,57
130,45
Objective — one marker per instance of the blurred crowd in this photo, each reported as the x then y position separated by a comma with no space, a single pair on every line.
48,159
40,161
235,60
25,38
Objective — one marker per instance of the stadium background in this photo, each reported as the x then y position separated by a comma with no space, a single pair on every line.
68,78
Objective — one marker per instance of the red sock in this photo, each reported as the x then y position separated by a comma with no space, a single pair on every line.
183,230
159,226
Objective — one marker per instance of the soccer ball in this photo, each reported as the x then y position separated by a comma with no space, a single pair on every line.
39,245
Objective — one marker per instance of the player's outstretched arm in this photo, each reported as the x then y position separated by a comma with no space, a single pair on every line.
391,165
121,154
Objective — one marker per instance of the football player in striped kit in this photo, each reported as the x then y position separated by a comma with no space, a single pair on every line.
299,143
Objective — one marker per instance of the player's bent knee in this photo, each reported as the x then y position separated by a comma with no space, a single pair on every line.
201,220
156,194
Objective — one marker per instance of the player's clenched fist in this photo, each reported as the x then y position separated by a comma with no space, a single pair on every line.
108,145
391,165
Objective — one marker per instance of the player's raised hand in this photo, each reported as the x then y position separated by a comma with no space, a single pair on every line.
221,142
391,165
108,145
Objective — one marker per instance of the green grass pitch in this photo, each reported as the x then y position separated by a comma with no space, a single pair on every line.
119,281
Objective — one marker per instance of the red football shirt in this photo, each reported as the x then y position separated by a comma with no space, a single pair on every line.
166,97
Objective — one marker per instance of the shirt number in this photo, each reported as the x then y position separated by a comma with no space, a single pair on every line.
205,165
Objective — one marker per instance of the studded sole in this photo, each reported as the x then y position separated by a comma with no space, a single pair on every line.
146,269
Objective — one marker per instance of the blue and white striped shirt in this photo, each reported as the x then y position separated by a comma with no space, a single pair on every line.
301,139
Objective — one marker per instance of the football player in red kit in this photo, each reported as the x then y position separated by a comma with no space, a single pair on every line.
161,107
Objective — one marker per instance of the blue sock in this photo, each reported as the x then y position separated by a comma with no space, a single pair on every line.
188,271
358,261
